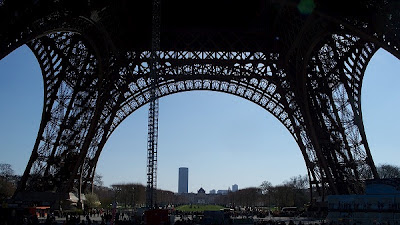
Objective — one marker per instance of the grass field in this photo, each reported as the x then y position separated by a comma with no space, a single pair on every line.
199,208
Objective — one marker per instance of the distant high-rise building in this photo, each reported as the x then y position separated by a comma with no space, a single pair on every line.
235,188
213,191
183,180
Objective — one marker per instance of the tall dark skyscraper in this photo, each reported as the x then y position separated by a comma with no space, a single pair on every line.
183,180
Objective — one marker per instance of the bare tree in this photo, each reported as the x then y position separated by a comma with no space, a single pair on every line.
384,171
6,170
388,171
105,195
265,187
165,198
98,180
298,182
294,192
282,195
130,194
6,189
7,181
300,191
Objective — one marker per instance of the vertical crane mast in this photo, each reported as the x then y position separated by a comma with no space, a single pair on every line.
152,138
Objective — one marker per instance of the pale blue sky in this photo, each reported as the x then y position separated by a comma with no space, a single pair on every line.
222,139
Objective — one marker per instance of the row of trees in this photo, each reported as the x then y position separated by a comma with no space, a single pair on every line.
291,193
132,195
294,192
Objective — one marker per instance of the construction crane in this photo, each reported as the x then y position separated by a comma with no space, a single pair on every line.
152,138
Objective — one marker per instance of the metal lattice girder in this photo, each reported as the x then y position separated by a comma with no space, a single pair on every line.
152,138
69,101
302,63
335,76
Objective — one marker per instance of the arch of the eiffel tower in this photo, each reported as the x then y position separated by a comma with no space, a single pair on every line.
301,60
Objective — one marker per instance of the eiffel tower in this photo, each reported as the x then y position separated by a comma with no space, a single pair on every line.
301,60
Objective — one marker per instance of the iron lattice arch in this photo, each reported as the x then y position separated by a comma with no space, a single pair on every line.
303,63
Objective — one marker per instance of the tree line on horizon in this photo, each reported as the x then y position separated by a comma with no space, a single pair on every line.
294,192
290,193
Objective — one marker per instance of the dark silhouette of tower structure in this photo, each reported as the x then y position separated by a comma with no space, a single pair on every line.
301,60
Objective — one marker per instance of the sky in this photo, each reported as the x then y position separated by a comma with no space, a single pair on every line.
221,138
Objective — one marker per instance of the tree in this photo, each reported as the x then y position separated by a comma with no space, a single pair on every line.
300,192
388,171
294,192
7,189
6,170
265,187
7,181
282,195
298,182
251,196
384,171
165,198
98,180
105,195
130,194
92,201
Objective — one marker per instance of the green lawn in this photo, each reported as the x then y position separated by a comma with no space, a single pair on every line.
199,208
